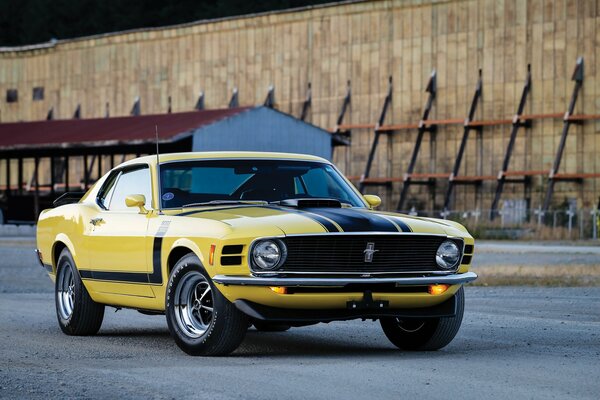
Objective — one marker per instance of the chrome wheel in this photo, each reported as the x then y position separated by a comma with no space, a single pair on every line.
193,304
66,292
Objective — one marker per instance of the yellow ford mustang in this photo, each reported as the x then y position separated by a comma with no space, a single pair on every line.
222,241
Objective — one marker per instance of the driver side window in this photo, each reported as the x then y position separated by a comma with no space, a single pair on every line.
131,182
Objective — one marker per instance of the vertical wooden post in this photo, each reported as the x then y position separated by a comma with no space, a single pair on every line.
20,176
86,177
99,166
7,176
66,174
36,197
52,175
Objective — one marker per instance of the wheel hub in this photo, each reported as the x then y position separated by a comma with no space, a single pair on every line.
194,304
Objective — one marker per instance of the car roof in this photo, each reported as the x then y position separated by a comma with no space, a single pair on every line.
218,155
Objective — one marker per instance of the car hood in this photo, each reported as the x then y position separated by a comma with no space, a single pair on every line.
273,219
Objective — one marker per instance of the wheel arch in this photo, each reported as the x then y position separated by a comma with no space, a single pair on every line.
180,249
62,242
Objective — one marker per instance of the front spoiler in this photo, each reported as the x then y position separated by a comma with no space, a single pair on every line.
367,309
454,279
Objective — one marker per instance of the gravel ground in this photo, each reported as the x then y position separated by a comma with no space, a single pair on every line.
515,342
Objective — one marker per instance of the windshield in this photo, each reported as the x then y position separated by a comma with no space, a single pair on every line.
193,182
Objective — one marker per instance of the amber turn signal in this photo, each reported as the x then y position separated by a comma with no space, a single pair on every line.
279,289
211,255
437,289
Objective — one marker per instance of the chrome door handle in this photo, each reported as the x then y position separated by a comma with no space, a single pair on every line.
96,221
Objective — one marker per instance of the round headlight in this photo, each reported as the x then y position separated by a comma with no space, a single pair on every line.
268,254
448,255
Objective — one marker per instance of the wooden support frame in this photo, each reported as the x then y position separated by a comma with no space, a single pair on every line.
200,102
270,99
234,101
306,104
386,105
567,121
516,124
136,109
341,135
422,128
52,175
8,188
66,174
463,143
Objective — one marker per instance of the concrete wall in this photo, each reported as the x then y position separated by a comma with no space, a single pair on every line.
365,42
263,129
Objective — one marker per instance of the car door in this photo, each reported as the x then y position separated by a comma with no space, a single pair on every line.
117,244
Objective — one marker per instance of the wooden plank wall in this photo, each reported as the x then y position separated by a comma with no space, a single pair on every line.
364,42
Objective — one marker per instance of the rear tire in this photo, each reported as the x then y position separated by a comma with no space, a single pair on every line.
201,320
425,334
77,313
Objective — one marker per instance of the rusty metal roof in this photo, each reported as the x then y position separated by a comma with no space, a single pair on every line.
108,131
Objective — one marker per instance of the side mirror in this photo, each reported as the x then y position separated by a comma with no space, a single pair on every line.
372,200
136,200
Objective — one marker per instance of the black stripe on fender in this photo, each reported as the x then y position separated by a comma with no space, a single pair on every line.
155,277
326,223
352,220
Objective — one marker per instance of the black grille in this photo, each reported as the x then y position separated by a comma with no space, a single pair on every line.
346,253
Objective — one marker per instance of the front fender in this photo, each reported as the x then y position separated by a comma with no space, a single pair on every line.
190,244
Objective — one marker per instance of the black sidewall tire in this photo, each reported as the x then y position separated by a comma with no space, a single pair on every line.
87,315
227,328
435,334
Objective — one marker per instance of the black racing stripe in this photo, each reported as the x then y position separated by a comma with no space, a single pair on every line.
403,225
352,220
136,277
156,275
327,224
133,277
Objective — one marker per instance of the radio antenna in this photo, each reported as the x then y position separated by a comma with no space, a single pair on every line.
158,171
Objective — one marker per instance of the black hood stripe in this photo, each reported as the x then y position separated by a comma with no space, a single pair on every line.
348,219
327,223
402,226
351,220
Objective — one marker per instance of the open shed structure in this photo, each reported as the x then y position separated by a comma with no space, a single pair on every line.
44,159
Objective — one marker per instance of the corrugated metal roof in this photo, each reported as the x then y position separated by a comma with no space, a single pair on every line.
108,131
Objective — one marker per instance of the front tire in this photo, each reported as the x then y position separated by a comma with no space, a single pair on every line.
425,334
77,313
201,320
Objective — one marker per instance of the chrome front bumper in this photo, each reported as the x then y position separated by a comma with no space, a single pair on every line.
454,279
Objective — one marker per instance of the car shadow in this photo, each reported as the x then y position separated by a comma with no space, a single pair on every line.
293,343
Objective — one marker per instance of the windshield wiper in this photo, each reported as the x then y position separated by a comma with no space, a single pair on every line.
222,202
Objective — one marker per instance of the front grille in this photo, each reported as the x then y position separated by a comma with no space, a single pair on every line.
346,253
